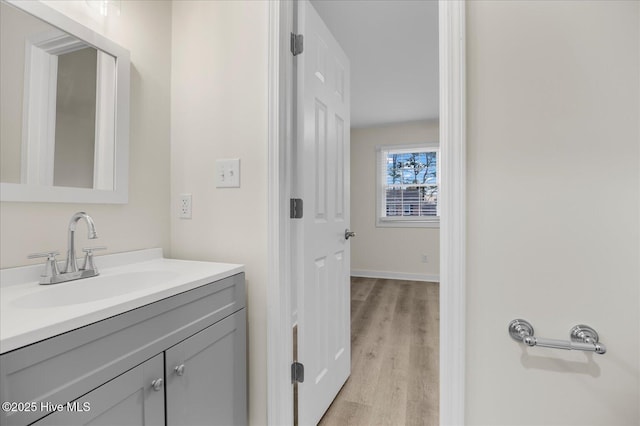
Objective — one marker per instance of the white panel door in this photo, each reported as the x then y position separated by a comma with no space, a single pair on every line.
322,154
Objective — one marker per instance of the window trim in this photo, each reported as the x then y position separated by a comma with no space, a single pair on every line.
402,221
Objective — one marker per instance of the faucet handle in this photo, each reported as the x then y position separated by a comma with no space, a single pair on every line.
51,265
48,254
88,258
92,249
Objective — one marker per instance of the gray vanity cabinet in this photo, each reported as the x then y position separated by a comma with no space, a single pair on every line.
205,375
112,365
126,400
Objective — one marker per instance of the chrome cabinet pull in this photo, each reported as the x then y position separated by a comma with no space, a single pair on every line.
582,338
179,369
157,384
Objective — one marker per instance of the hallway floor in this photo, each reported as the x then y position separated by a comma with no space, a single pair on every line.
394,355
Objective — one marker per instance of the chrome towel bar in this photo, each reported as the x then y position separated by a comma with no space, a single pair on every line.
583,338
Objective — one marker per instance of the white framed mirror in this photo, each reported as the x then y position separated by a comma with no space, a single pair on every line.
64,123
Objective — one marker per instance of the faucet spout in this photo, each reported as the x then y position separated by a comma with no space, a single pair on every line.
72,265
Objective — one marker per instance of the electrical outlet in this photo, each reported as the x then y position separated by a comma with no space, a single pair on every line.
424,258
184,206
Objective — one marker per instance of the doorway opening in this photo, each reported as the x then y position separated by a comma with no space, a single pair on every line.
451,204
393,53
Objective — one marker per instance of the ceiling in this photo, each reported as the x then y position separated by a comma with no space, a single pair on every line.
393,49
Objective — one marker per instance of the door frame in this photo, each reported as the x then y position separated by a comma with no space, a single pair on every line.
452,204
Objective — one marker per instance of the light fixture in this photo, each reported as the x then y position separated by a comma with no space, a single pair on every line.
105,7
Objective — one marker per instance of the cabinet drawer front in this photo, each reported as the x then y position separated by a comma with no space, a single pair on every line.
206,376
129,399
62,368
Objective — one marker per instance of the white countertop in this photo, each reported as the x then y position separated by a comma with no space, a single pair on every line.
23,322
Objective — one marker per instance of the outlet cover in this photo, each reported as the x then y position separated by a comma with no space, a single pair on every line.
228,173
184,206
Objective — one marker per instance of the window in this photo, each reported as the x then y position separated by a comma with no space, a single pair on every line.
408,184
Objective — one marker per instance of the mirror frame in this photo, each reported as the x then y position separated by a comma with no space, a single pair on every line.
62,194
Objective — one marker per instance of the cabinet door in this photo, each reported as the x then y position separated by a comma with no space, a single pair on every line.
129,399
206,376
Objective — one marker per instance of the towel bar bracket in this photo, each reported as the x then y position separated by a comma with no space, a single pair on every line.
584,334
519,329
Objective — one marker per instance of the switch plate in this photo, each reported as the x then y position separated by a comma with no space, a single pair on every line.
228,173
184,206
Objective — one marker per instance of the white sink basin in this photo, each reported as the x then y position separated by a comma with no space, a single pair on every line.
126,281
94,289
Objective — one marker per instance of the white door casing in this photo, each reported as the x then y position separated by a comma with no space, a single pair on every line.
322,175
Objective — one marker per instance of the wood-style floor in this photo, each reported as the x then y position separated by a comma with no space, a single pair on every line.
394,356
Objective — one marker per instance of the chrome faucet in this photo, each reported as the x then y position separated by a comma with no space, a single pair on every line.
72,265
51,274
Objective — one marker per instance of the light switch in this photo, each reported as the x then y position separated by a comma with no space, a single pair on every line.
228,173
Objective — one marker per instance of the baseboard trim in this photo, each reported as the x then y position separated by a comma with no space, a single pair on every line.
394,275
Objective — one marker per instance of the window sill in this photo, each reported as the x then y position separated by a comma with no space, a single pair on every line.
431,223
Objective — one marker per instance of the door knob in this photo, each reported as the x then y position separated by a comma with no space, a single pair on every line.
348,234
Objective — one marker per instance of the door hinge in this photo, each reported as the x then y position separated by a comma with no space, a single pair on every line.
296,208
297,372
297,44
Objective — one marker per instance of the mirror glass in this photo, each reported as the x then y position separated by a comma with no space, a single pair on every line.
75,119
59,107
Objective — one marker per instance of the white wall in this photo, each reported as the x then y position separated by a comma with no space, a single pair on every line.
388,250
553,209
144,28
219,110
